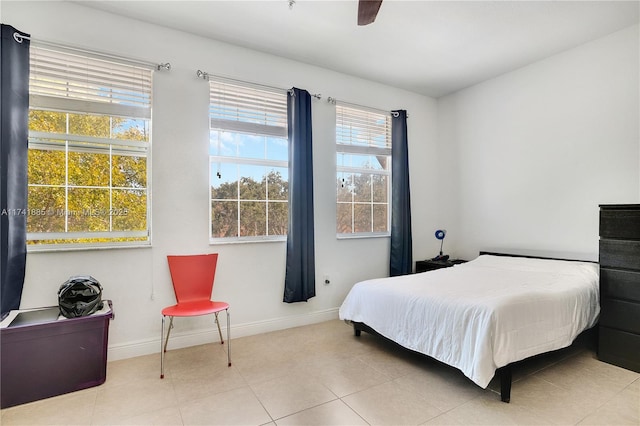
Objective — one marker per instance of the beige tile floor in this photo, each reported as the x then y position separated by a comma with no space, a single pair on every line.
322,374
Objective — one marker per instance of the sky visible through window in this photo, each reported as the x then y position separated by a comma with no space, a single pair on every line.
240,145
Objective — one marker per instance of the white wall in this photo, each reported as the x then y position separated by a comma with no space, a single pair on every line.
250,276
527,157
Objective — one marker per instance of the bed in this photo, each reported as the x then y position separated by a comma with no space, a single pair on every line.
481,316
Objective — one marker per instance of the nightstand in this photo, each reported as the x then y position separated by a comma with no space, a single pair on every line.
430,265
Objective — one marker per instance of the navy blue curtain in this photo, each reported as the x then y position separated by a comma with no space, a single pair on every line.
401,256
14,115
300,276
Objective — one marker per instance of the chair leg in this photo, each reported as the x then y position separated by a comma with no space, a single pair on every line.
219,331
166,341
163,345
162,350
228,338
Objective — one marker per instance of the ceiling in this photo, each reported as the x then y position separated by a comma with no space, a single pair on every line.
429,47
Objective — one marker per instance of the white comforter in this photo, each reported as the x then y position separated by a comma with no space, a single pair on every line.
483,314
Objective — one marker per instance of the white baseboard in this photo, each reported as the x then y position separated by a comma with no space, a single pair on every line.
177,340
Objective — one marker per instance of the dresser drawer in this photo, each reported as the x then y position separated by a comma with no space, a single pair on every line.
620,223
620,254
618,284
620,314
619,348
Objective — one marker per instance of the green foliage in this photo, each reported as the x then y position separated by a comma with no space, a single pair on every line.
248,207
85,186
239,208
362,203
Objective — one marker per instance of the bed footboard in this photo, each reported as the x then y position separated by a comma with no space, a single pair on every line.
504,373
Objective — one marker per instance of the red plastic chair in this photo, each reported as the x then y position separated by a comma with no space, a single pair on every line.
192,277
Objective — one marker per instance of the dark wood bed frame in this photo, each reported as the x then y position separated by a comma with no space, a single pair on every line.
504,373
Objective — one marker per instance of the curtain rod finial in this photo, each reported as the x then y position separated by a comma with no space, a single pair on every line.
19,37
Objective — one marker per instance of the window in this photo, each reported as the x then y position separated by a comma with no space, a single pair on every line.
89,144
363,165
248,158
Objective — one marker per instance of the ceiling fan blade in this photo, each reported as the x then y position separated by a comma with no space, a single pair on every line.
367,11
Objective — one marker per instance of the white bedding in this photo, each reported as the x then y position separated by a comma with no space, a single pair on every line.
483,314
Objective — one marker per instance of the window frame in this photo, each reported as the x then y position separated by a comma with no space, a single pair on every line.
270,128
363,116
124,91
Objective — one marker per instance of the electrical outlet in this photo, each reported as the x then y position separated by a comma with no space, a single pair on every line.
326,279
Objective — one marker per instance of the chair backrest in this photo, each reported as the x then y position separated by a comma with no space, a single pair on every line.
192,276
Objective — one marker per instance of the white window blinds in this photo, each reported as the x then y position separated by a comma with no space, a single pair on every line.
363,131
64,81
247,109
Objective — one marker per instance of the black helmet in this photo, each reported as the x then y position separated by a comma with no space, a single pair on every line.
80,296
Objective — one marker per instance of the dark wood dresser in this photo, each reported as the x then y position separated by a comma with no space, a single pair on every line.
619,332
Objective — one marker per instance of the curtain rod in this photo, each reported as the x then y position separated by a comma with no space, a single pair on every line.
206,76
335,101
73,49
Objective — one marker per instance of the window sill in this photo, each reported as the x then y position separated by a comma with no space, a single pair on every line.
362,235
245,240
50,248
